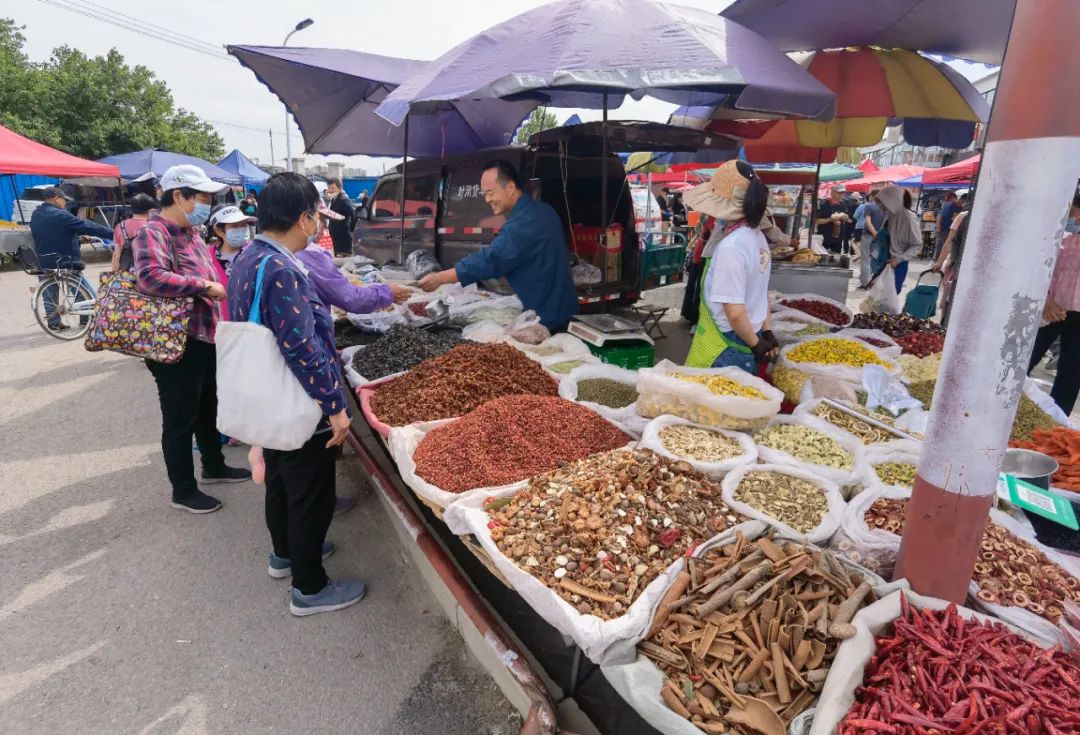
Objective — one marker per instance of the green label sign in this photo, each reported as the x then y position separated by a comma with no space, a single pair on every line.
1039,501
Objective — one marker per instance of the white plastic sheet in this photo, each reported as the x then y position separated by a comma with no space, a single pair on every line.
820,534
650,439
660,392
602,641
846,673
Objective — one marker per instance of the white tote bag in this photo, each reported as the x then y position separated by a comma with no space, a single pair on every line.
260,401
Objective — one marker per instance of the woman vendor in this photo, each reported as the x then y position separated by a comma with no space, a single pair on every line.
733,322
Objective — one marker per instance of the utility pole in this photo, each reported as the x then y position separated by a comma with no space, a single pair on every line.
1029,172
271,133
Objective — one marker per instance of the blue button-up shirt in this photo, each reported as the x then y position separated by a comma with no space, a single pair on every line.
56,234
530,252
302,324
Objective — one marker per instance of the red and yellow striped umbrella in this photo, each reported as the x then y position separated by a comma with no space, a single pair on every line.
874,87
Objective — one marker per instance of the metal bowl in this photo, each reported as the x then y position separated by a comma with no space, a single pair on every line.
1034,467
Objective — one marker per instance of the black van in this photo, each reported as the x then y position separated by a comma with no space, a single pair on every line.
445,212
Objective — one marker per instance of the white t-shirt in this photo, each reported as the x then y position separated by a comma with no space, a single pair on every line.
739,274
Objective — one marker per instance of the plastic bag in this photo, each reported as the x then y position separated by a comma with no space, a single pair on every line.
650,439
355,379
914,421
568,389
882,296
379,321
887,390
559,343
788,297
847,670
820,534
501,309
660,392
421,263
586,274
602,641
1043,400
403,442
562,364
484,331
527,329
874,548
847,373
847,442
901,452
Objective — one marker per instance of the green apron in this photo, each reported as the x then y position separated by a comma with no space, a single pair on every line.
709,342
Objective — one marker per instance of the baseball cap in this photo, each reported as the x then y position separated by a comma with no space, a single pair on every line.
190,176
51,192
229,215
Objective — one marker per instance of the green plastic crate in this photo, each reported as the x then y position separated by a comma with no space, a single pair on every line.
630,354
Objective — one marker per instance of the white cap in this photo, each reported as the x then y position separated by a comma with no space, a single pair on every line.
190,176
229,215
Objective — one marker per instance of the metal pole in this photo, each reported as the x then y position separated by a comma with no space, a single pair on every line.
18,202
814,200
404,174
603,189
1029,171
288,143
271,133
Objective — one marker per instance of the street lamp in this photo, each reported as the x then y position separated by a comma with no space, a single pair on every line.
288,141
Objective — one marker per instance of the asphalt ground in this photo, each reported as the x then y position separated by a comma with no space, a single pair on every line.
119,614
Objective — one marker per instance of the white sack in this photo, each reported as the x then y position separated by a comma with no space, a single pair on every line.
650,439
819,535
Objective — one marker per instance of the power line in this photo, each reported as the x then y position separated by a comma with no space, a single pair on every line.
124,17
119,23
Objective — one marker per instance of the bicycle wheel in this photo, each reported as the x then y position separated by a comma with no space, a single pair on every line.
59,307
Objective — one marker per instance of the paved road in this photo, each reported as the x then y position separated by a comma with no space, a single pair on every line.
121,615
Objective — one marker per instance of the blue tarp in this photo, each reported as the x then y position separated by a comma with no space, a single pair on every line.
12,186
155,162
240,165
354,186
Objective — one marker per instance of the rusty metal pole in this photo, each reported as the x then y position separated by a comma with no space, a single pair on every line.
1029,171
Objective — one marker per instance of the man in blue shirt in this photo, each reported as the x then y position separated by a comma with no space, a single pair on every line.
529,251
945,220
56,231
56,241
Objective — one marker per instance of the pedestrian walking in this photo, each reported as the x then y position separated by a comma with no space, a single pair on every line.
905,239
300,484
171,259
1061,316
123,259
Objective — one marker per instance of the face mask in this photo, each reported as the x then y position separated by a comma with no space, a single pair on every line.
1072,226
199,215
236,238
315,235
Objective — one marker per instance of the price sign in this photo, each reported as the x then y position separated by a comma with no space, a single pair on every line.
1039,501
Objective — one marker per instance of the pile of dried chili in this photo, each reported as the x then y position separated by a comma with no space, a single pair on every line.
512,438
936,672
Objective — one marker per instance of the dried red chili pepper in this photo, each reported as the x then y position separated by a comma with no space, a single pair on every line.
670,537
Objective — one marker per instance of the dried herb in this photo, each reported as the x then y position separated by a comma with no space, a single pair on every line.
701,445
460,381
606,392
510,439
795,502
400,349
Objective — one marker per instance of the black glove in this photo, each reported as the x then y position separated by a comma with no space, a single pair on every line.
767,334
761,349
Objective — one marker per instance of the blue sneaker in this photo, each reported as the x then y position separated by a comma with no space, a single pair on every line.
334,596
280,568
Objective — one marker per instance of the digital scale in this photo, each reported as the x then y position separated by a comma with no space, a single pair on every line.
601,329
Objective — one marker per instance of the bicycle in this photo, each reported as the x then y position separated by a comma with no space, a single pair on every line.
63,301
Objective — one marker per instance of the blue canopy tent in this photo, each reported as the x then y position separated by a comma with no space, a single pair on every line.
152,163
240,165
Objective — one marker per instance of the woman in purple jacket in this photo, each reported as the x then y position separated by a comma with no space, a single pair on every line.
336,290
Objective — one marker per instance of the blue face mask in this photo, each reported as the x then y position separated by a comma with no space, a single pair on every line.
1072,226
199,215
236,238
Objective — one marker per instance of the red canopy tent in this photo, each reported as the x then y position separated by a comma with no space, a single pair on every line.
19,155
958,173
887,175
867,166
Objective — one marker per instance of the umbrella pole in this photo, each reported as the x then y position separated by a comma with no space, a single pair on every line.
404,174
603,193
814,200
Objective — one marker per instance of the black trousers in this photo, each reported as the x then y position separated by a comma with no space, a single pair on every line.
300,488
1067,382
187,391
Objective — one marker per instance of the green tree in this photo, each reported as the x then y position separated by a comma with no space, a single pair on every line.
94,107
539,119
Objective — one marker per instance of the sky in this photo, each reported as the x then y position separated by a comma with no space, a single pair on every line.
221,91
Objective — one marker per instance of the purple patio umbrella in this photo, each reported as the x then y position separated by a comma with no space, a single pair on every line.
333,93
968,29
591,53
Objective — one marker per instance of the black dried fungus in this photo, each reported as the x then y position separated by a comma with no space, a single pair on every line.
402,348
